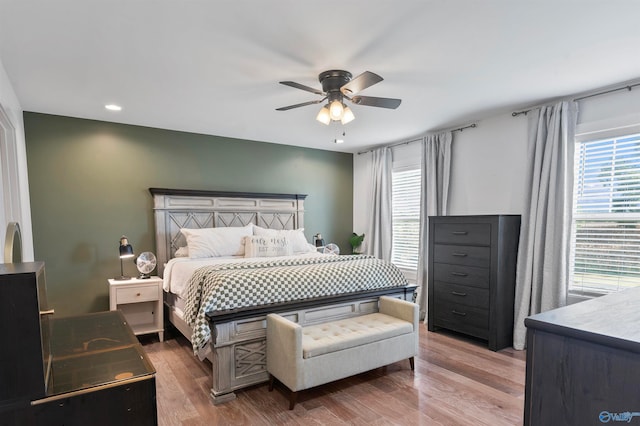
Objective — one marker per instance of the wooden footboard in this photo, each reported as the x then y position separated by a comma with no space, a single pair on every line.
239,337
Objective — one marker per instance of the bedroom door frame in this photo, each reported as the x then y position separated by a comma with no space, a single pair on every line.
11,205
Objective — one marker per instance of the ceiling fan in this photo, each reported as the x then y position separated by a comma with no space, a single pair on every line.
337,85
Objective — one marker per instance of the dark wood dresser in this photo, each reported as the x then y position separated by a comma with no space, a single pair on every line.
583,363
80,370
472,269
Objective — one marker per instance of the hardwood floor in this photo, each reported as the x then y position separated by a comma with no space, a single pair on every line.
456,382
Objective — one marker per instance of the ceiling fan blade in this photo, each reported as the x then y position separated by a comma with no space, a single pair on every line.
286,108
376,102
302,87
361,82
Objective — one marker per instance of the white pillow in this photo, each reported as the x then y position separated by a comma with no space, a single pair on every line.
214,242
267,246
182,252
299,243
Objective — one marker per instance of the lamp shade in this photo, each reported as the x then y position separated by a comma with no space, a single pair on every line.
347,116
336,109
126,251
323,116
125,248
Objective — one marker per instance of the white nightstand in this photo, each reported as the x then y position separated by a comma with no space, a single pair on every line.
140,300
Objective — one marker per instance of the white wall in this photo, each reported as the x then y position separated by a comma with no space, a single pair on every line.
486,169
606,115
618,105
15,203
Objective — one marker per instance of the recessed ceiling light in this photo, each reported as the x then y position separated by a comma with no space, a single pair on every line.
113,107
338,140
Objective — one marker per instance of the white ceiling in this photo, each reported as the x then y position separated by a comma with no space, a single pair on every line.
213,66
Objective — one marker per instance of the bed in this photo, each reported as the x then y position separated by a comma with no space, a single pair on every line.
229,327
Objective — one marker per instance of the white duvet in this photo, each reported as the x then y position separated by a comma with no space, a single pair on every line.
178,270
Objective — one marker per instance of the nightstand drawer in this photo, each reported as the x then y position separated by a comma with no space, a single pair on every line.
461,274
463,233
468,296
462,255
461,318
137,294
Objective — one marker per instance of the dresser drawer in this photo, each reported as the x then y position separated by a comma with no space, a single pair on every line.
137,294
461,274
463,319
462,255
462,233
455,293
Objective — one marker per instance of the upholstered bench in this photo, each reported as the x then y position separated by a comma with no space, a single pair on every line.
304,357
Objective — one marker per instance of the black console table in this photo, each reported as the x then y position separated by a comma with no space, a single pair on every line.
583,363
81,370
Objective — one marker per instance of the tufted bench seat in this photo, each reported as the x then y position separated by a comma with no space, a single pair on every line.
304,357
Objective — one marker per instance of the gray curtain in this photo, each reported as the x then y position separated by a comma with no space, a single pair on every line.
543,255
379,230
436,169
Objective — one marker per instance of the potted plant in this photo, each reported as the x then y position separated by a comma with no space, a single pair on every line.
356,243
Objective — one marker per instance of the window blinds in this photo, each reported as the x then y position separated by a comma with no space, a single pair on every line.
606,222
406,218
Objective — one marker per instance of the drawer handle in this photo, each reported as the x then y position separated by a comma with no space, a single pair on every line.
459,274
138,294
459,254
455,293
462,314
48,312
459,232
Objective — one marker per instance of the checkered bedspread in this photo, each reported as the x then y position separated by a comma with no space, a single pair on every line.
237,285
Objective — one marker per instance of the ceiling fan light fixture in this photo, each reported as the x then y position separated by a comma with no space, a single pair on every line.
338,85
347,116
336,109
323,116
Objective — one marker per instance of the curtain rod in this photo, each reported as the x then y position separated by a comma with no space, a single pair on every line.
470,126
517,113
391,146
628,87
459,129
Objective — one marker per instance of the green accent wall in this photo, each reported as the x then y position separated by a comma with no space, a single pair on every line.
89,184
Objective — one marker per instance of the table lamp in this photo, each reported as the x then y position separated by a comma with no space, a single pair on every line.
126,251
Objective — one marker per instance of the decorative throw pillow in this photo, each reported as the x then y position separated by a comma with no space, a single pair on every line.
182,252
299,243
215,242
266,246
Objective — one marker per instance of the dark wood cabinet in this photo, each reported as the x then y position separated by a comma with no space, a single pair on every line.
25,353
583,363
471,275
80,370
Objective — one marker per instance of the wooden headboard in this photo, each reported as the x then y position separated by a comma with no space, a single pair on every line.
179,208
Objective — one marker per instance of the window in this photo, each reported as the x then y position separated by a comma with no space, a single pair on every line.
606,222
406,218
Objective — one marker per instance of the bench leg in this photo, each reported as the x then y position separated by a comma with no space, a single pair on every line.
271,379
293,397
412,364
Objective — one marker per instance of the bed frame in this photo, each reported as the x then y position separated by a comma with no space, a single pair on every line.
238,347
